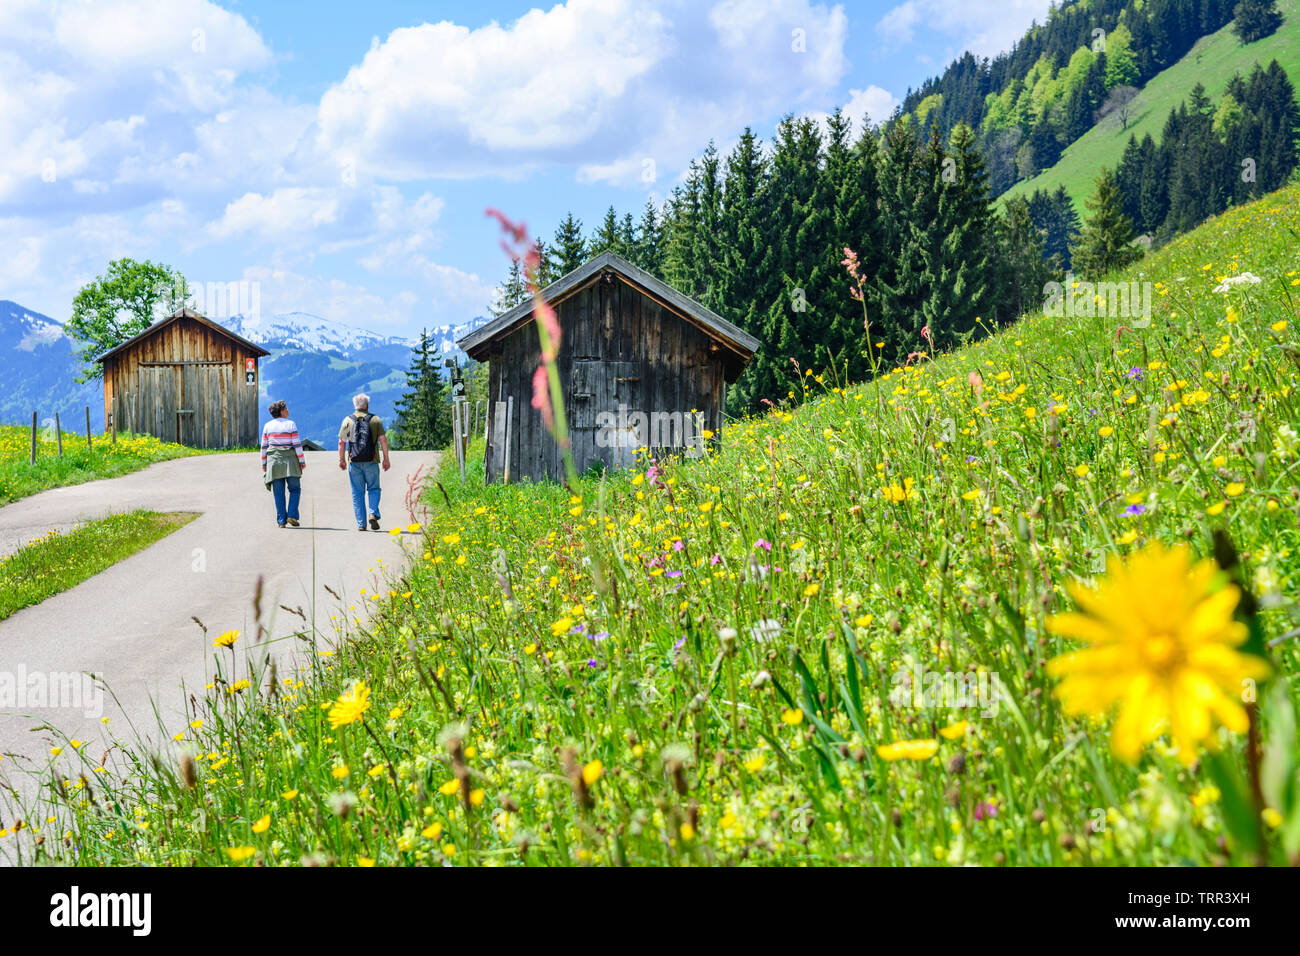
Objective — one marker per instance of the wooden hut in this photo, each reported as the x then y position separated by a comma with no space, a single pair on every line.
185,379
644,369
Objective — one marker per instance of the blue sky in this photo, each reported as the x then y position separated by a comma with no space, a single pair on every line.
340,155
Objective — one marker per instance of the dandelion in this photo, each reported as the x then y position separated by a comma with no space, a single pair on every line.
350,707
1160,644
225,639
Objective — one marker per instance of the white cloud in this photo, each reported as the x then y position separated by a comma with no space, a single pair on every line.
601,84
872,105
984,27
86,88
287,291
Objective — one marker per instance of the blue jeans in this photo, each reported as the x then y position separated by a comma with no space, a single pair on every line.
295,492
364,476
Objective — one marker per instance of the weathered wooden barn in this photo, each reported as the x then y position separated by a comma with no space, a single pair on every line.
185,379
643,367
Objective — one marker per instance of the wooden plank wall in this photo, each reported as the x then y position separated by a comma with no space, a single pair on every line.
143,391
619,347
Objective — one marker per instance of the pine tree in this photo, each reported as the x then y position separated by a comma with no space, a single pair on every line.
568,249
895,292
956,243
511,291
607,237
1025,271
1106,242
745,287
647,250
423,413
1255,19
1055,216
626,237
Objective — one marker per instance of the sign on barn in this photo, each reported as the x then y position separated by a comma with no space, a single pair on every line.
184,379
643,367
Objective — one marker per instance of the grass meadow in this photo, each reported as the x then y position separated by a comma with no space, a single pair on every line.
1029,603
104,459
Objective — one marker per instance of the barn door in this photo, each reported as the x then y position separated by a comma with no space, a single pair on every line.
627,391
189,425
159,393
214,417
607,412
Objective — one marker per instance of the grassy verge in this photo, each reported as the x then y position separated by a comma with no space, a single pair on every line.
19,478
1213,61
57,562
701,663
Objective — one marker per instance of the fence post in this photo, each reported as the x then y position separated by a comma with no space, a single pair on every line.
89,445
58,433
33,458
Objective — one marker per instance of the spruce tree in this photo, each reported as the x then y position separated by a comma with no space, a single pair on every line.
423,413
746,289
607,237
1255,19
1106,242
568,249
511,291
647,249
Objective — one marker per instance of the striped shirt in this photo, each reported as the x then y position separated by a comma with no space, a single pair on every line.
281,433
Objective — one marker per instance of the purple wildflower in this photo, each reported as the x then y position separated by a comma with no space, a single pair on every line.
1134,510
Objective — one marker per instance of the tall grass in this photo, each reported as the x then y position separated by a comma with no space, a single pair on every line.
699,662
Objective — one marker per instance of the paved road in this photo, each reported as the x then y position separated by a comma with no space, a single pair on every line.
132,624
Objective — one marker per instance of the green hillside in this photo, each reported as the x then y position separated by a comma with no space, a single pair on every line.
726,660
1212,62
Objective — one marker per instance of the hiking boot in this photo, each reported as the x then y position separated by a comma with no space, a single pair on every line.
294,522
374,523
361,527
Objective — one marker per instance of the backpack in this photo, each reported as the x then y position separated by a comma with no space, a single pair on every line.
362,445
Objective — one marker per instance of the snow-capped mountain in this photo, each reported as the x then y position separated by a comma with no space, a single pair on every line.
38,370
302,330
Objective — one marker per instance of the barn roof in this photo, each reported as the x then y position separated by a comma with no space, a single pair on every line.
185,313
713,324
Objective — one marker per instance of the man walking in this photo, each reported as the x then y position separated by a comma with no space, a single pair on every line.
361,440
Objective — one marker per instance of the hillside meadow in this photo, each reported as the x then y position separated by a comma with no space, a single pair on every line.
1212,62
965,614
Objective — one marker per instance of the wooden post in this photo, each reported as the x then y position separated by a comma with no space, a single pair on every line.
89,445
458,433
510,416
58,433
33,460
112,429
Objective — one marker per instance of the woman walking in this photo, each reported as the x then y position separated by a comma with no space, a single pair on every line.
283,463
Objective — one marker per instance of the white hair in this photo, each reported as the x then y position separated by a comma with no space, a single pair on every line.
361,403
